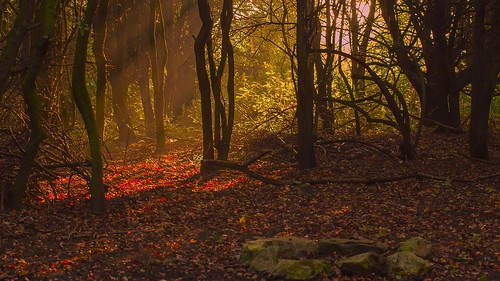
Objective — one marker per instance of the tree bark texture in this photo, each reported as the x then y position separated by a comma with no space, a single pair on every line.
203,80
157,71
486,69
34,103
82,100
100,60
305,90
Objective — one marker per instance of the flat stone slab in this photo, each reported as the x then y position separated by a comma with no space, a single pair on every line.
350,247
283,247
364,264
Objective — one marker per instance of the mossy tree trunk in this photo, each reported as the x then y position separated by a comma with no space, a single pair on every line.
33,102
82,100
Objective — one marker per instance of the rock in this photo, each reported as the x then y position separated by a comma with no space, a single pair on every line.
265,260
287,247
364,264
301,269
418,246
349,247
407,263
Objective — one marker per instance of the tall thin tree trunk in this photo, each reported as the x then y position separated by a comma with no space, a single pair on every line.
486,69
157,71
305,91
82,100
100,59
203,80
143,81
34,103
227,47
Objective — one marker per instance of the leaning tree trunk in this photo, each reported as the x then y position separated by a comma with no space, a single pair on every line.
82,100
33,104
15,38
305,91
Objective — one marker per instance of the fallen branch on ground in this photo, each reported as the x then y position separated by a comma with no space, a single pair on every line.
217,164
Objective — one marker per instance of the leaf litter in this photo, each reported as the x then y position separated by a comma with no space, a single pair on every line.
163,226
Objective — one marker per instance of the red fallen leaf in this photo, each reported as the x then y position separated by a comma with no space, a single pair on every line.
490,212
162,200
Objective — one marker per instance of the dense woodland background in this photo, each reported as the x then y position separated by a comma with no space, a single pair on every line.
88,86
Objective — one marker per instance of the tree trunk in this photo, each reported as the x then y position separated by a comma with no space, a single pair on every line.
143,81
34,103
82,100
227,48
305,91
119,91
486,69
157,71
15,39
203,80
100,59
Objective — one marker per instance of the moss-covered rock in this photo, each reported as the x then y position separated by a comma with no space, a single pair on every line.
364,264
301,269
265,260
418,246
348,247
287,247
407,263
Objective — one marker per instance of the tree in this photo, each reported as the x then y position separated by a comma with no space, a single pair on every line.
100,59
158,62
220,135
14,40
118,71
305,88
436,25
82,100
203,80
33,101
485,73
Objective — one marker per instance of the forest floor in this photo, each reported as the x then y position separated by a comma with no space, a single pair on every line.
161,226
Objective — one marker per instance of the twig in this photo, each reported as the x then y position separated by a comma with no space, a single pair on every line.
255,158
360,180
211,163
389,156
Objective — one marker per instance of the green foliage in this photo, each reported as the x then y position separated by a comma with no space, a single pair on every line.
269,103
